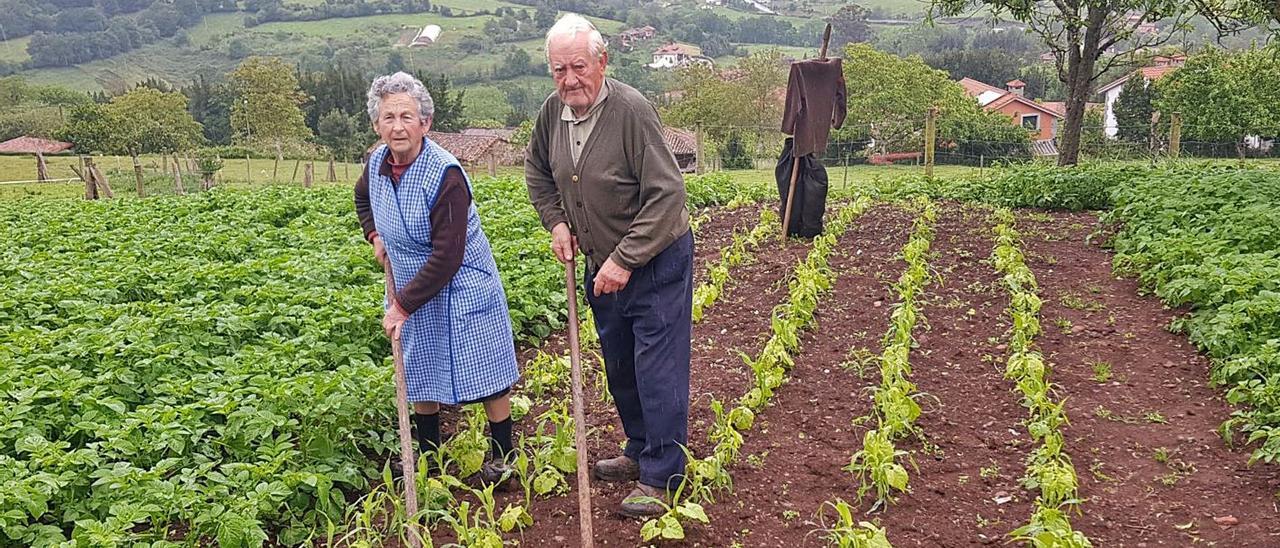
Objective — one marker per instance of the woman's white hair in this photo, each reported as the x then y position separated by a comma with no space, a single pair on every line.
570,24
400,82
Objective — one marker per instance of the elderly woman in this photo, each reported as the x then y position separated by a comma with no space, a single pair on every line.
415,206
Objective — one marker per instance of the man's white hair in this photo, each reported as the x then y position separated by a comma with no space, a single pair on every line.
570,24
400,82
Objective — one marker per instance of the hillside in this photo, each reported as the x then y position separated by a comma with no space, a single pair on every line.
497,73
220,40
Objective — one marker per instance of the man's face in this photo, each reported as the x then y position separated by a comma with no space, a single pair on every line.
577,73
400,126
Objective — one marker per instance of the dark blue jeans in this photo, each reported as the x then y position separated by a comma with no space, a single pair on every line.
645,336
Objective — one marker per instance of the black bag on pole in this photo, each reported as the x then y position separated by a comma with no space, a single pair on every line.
811,192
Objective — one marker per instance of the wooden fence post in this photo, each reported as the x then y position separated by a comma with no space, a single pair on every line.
1175,134
697,153
42,169
177,179
492,160
275,170
333,174
138,177
90,189
1155,134
307,174
930,140
294,178
248,170
99,180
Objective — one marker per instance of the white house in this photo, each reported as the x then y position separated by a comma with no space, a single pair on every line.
678,55
1160,66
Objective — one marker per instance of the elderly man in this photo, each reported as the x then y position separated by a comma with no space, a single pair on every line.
604,182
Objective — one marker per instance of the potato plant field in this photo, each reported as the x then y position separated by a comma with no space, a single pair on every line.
1037,357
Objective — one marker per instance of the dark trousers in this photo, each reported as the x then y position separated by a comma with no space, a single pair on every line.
645,336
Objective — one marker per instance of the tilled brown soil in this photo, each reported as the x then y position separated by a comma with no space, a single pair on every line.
1155,405
1152,470
791,462
738,322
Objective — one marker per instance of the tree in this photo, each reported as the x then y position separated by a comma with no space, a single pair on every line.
544,17
266,113
141,121
993,66
146,120
893,96
849,25
736,109
14,90
210,105
89,127
1088,38
1231,16
1133,110
1224,97
56,96
342,134
449,110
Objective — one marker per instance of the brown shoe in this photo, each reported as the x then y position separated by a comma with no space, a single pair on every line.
620,468
634,506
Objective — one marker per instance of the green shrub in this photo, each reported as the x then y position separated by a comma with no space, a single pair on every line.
1209,239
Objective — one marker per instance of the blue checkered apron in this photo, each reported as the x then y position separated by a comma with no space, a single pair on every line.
459,345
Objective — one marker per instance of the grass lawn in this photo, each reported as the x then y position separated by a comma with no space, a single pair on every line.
15,51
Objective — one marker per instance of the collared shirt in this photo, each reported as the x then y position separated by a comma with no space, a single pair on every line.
580,128
625,198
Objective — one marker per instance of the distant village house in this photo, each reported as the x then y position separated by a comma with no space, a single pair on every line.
675,55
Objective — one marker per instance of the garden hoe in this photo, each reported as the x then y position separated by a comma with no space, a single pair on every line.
407,461
579,419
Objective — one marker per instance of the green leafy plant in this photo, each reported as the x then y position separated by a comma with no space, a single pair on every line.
847,532
1049,469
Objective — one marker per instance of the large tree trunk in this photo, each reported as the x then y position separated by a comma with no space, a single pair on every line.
1081,58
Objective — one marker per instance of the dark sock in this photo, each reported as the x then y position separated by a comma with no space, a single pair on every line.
428,431
500,439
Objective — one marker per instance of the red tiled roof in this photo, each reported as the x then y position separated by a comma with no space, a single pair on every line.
466,148
678,48
1016,84
1150,74
680,141
32,145
1013,97
502,133
976,88
1056,106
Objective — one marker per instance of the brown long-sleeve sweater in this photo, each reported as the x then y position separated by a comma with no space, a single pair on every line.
624,197
448,233
815,103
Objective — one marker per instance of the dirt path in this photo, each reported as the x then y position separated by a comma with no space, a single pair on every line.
791,461
1152,404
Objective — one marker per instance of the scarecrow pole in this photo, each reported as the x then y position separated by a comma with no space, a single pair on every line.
795,164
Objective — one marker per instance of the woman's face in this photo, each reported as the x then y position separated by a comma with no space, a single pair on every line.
400,125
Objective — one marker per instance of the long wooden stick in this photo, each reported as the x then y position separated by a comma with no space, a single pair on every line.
795,163
407,461
579,417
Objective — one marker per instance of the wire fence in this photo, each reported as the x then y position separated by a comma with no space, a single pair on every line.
760,147
888,143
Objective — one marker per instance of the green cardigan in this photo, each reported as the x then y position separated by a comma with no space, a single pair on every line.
624,199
